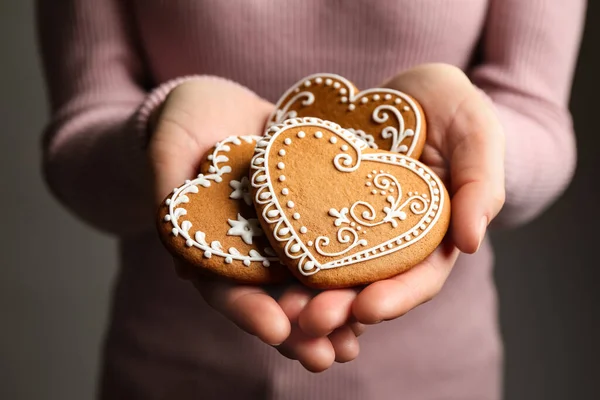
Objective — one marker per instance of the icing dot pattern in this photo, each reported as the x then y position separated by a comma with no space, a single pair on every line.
402,142
309,264
343,93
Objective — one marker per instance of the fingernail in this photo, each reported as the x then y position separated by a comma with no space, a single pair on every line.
482,231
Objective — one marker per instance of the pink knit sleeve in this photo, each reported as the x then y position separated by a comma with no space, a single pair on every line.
94,160
529,53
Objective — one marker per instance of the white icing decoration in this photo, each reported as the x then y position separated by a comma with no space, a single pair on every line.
342,237
303,229
347,91
185,226
301,134
380,115
319,80
282,152
281,178
287,141
283,113
416,203
280,165
180,196
341,216
296,216
349,220
365,137
309,265
333,140
241,190
364,100
245,228
200,238
318,134
290,204
285,191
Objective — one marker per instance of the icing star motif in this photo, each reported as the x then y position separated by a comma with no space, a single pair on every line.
241,190
245,228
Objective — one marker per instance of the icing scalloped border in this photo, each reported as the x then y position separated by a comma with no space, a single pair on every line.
284,231
179,197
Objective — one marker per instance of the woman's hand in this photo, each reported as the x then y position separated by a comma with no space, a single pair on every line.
465,147
196,115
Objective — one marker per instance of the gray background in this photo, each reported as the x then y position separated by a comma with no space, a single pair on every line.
55,273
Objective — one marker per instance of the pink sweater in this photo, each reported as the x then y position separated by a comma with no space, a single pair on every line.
109,63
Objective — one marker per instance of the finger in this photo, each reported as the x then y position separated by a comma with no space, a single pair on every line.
477,172
357,327
463,128
327,311
315,354
249,307
293,301
345,344
392,298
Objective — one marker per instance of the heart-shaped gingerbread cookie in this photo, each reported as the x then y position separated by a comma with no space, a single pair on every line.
210,222
340,214
384,118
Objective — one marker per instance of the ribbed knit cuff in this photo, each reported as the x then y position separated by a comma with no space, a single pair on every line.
153,101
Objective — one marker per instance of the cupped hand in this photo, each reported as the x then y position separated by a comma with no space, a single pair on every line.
195,115
465,147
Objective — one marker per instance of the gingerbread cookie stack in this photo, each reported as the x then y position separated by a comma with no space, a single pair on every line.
333,191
